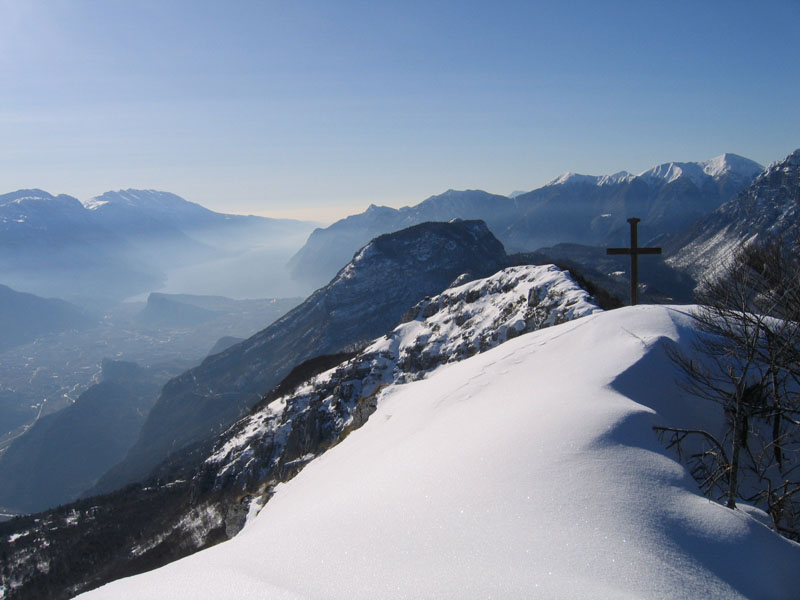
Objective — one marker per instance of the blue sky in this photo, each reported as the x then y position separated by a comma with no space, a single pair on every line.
317,109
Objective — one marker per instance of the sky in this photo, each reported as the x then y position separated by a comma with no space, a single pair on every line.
316,109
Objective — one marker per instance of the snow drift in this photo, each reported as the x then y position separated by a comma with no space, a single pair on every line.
530,470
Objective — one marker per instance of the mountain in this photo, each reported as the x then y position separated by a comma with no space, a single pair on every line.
770,206
594,210
366,299
126,242
147,217
530,470
328,250
51,246
24,317
224,343
64,453
169,310
314,407
195,312
154,224
573,208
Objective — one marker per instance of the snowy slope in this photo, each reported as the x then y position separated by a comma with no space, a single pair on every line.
528,471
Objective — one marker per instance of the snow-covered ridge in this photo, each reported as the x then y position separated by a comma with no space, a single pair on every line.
697,172
144,199
460,322
789,166
566,178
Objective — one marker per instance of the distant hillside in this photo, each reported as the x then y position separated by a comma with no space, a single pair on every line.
63,454
24,317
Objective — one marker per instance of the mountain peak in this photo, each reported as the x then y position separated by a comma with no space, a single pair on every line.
792,160
421,245
570,177
731,163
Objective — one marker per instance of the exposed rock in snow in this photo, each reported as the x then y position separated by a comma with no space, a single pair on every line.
274,442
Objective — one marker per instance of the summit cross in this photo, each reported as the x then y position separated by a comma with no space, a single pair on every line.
634,251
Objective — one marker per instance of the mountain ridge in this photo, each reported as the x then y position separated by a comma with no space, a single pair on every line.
591,210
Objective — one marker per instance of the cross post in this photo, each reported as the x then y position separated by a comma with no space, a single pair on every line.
634,251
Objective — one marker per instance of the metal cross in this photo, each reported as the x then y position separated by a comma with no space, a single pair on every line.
634,251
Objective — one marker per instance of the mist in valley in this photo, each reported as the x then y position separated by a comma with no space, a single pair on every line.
145,278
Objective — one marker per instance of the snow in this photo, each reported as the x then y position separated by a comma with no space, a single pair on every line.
699,172
94,203
528,471
726,163
619,177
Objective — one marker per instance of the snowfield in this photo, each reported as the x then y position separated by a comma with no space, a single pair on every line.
528,471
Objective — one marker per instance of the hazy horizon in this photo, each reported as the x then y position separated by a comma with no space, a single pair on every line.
315,111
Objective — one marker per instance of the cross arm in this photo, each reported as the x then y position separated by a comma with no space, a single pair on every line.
633,251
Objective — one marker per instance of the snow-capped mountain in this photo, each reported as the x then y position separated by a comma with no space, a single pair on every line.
51,246
573,208
169,207
366,299
571,178
725,165
530,470
138,213
594,210
770,206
